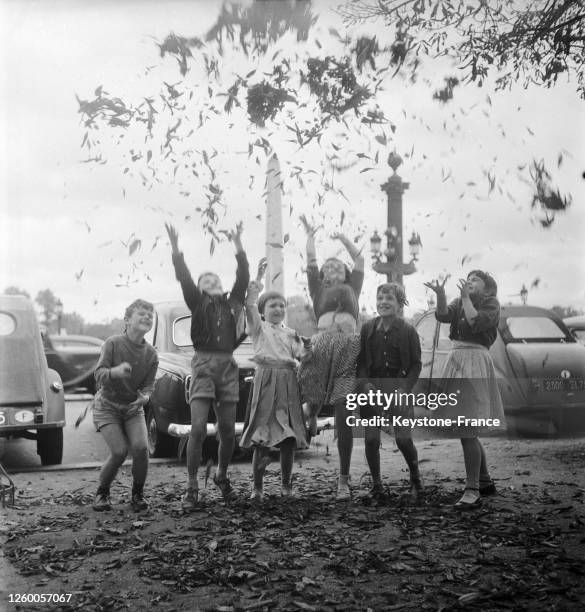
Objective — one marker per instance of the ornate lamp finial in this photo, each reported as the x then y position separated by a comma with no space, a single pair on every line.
394,161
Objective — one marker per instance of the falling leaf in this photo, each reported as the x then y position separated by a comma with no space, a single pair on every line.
134,246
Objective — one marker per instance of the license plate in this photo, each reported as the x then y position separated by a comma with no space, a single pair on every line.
563,384
3,418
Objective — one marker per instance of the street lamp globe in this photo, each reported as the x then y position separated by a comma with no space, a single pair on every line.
414,245
375,243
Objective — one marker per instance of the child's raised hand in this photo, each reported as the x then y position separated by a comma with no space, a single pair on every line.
254,290
309,228
173,237
237,232
463,288
436,286
262,265
124,370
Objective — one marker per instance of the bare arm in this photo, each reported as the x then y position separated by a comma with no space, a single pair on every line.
354,252
252,314
310,230
439,289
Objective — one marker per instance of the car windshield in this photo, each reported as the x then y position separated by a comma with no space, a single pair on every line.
534,329
182,331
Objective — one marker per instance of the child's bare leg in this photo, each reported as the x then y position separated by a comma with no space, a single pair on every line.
372,444
287,456
137,437
258,466
116,440
199,414
226,421
344,439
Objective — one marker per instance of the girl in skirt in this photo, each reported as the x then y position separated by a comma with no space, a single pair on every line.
328,375
469,368
275,416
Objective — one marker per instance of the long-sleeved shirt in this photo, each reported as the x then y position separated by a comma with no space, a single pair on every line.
484,328
406,349
342,297
141,357
217,322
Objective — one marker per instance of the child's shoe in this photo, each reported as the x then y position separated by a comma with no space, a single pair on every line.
343,490
225,486
286,491
487,487
138,502
102,502
257,495
189,500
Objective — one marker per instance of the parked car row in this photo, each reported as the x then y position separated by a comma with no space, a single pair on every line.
75,358
539,364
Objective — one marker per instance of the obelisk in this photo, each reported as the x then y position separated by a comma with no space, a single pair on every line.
274,237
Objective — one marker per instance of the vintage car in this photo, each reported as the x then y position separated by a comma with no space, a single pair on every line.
576,325
80,354
32,403
539,364
168,405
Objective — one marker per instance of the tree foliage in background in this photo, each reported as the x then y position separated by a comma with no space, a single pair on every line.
300,96
532,41
13,290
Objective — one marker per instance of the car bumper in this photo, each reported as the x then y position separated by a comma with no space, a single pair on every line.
31,427
179,430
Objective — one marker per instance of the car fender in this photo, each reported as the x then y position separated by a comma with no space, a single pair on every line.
55,412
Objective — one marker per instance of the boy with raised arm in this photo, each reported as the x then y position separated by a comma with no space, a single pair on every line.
216,327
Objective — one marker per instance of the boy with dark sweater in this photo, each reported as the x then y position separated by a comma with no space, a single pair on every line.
390,360
217,326
125,378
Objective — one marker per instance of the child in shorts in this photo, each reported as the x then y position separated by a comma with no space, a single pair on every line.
125,379
217,327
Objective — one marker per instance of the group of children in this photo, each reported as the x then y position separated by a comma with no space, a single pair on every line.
386,349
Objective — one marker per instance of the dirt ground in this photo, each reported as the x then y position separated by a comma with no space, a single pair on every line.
522,550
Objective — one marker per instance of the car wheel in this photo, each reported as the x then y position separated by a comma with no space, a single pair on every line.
50,446
159,444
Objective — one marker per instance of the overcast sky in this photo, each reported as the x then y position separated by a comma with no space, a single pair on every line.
65,224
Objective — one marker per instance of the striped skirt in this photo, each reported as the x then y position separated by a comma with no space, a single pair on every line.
329,373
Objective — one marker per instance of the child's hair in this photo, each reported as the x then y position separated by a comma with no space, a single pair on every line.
136,304
206,274
396,289
491,287
347,270
269,295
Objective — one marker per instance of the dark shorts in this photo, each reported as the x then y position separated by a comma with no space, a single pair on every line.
107,412
215,376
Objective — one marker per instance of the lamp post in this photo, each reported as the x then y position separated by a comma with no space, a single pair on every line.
523,294
394,268
59,313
